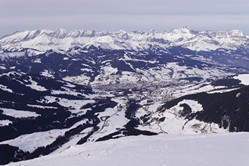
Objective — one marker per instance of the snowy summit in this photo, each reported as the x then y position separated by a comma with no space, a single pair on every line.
63,40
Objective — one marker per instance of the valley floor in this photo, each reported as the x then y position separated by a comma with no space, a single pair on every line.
228,149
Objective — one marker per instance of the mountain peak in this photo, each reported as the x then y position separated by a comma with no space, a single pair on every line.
184,29
62,39
235,32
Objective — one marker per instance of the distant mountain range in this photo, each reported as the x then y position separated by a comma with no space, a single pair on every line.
61,88
63,40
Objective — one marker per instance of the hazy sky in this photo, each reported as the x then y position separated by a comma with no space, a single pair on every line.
16,15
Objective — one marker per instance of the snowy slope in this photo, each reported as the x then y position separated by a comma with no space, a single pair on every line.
244,78
162,150
38,41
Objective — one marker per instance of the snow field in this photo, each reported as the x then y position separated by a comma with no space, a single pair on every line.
162,150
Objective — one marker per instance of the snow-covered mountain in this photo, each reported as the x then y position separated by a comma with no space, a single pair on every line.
63,40
63,88
162,150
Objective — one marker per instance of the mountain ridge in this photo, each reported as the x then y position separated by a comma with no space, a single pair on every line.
63,40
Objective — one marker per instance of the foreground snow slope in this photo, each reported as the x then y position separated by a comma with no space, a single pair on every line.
163,150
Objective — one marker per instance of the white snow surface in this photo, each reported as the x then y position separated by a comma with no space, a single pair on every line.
194,105
29,142
244,78
34,85
19,113
162,150
112,119
5,122
41,106
174,123
5,88
39,41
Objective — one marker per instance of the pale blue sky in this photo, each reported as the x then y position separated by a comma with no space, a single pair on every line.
17,15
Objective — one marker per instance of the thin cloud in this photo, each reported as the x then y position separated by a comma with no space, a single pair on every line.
128,15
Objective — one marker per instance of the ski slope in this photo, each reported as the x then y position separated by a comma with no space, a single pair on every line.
162,150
